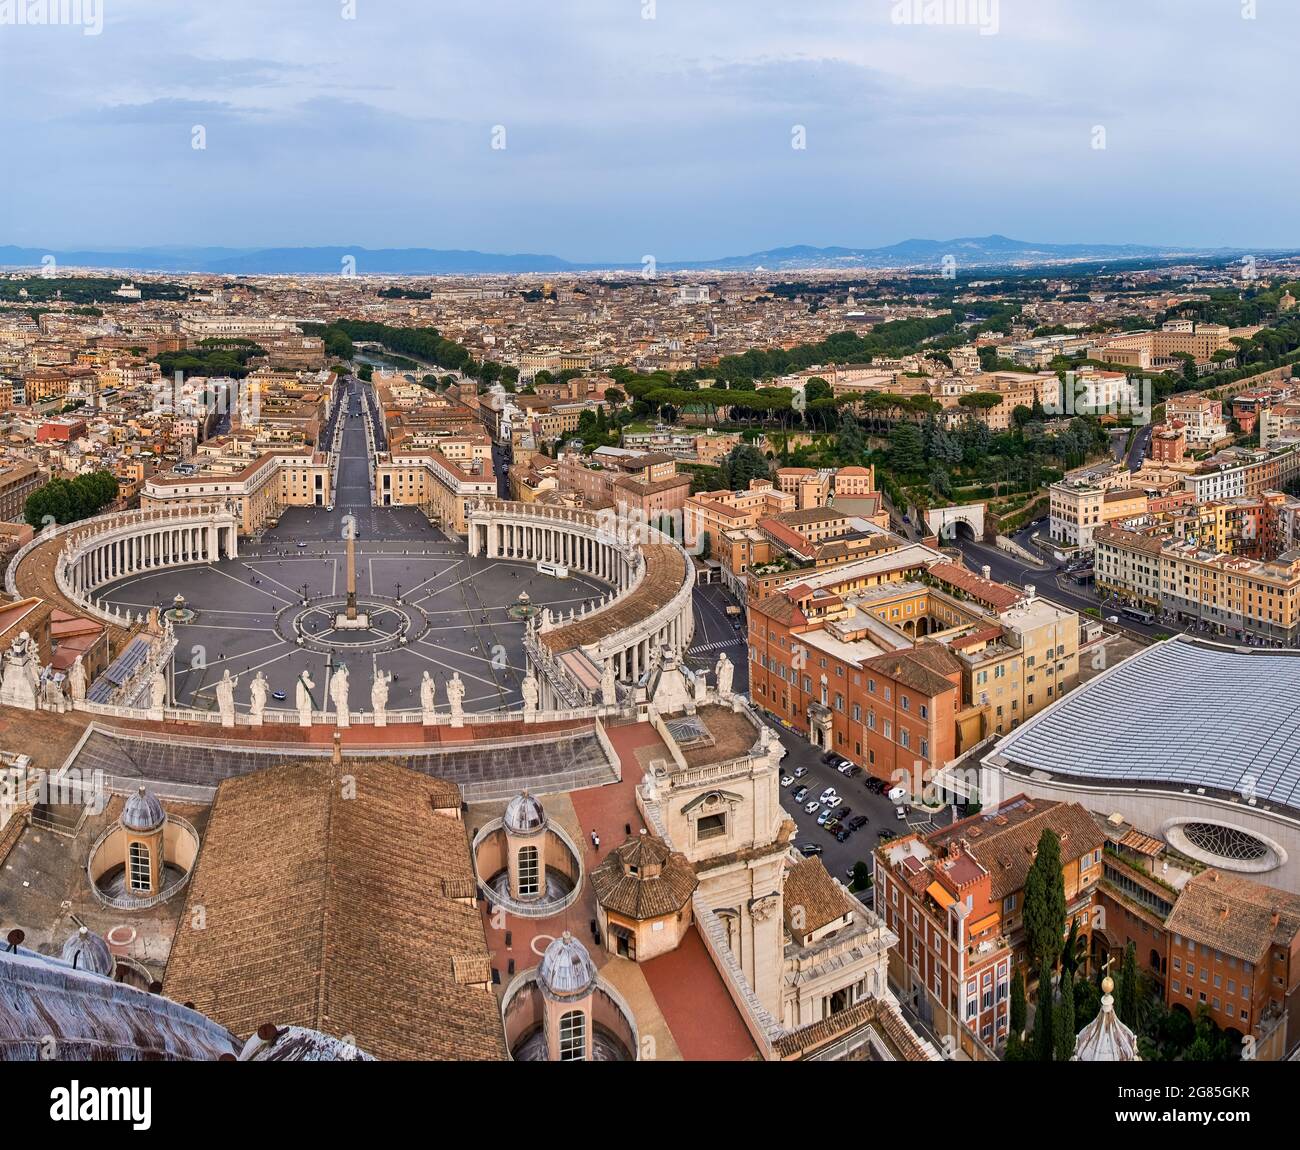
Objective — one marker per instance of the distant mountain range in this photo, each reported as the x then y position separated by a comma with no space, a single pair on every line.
991,252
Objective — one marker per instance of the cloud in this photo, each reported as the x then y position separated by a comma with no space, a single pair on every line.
670,135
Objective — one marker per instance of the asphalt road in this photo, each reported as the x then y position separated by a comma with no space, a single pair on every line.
716,633
1047,581
1138,450
839,858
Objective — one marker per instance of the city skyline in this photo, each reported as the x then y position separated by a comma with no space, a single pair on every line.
605,132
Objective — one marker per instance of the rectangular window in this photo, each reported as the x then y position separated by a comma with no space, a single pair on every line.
711,827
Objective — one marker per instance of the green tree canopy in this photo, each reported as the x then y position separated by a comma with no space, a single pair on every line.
1044,916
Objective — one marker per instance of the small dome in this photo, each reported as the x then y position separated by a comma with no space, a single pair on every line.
567,970
87,951
524,815
1106,1038
143,812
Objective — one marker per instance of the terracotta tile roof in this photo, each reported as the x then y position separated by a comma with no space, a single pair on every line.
915,670
1235,915
820,898
324,907
779,609
809,515
665,572
996,595
1005,840
787,537
643,879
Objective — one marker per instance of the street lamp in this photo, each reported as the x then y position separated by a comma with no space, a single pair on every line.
399,594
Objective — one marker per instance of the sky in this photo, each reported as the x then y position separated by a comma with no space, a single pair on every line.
660,127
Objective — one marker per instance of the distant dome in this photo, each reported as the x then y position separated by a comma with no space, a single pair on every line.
524,815
87,951
567,970
143,812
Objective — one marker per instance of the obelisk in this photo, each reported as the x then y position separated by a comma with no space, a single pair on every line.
352,575
350,618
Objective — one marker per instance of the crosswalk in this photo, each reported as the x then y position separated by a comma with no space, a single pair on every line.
705,648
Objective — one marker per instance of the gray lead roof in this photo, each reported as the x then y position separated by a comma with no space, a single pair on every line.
1180,714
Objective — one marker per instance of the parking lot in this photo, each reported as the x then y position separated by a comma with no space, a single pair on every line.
879,811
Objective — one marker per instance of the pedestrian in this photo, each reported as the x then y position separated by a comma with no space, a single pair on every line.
593,838
598,842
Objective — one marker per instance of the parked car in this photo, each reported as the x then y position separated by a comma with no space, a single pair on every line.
832,825
858,822
875,786
900,813
898,795
799,772
885,834
843,834
827,793
786,780
812,808
798,794
833,802
831,757
825,817
810,849
843,766
854,771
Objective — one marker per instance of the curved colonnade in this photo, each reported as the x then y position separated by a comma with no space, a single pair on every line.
651,608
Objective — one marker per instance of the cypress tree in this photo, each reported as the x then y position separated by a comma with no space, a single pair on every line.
1064,1021
1018,1012
1126,998
1045,903
1044,1038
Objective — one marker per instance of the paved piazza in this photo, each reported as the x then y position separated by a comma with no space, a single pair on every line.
455,612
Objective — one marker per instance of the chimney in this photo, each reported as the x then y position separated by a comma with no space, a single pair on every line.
337,756
986,571
1029,592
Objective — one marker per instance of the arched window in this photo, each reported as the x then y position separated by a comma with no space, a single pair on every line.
528,872
573,1037
140,877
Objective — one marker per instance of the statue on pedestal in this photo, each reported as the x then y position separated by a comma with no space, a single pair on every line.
456,699
339,694
724,672
530,693
77,681
258,690
379,697
608,685
428,698
226,698
302,698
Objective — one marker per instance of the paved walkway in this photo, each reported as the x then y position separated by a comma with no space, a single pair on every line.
697,1005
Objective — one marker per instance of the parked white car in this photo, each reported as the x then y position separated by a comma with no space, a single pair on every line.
898,795
786,780
834,801
829,792
811,808
900,813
